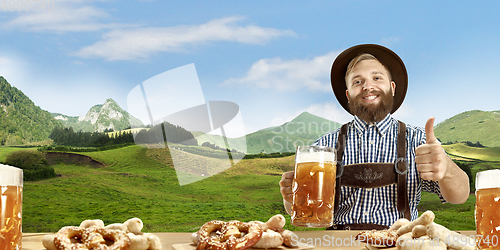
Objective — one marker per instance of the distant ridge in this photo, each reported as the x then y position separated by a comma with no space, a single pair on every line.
473,126
107,116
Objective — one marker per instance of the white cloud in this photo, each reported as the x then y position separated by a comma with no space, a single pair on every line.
66,16
139,43
312,74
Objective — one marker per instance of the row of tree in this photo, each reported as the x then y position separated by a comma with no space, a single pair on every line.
67,137
163,132
153,135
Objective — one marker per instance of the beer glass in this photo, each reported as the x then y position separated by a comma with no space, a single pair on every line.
488,209
314,186
11,184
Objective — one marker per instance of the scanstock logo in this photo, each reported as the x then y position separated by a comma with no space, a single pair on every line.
176,97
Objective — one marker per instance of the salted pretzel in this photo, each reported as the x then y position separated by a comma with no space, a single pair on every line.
99,238
387,237
70,238
93,238
232,235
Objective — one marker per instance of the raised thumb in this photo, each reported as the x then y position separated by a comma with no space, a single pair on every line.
429,131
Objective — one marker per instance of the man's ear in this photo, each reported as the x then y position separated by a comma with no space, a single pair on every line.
393,87
347,94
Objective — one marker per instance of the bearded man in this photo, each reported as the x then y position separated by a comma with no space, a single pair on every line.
370,82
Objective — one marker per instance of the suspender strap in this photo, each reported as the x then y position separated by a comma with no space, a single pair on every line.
340,151
402,170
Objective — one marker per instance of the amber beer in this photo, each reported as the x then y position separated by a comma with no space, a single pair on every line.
488,209
314,186
11,186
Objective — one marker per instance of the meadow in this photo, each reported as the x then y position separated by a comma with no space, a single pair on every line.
141,182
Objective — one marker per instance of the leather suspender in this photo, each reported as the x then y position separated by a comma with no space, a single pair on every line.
372,175
401,167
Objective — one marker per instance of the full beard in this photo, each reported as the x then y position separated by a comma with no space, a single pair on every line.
372,113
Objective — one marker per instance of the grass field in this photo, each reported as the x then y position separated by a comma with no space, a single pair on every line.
141,182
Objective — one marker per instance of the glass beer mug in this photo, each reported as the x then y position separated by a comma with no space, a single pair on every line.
488,209
11,184
314,186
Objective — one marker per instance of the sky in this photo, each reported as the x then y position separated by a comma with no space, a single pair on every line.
271,58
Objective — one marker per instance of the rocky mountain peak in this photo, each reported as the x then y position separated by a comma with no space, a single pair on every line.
100,117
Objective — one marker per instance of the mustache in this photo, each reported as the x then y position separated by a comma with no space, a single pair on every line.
373,92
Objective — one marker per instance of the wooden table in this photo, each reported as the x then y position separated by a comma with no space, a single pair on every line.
342,240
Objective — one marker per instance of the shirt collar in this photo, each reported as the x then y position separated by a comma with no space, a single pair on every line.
382,126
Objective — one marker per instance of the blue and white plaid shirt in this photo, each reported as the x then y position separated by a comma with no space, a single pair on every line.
377,143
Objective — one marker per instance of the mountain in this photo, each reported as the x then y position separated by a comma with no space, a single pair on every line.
21,121
100,117
302,130
473,126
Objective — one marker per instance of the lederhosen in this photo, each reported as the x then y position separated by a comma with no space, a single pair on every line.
373,175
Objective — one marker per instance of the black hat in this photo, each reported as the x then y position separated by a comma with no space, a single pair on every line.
386,56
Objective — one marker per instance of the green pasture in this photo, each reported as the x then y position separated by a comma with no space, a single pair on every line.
141,182
481,154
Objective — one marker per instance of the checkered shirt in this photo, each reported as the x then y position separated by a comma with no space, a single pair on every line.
377,143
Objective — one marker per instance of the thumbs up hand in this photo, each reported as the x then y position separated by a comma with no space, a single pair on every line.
430,157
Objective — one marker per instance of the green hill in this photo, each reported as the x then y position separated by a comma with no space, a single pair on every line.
21,121
473,126
302,130
234,143
306,126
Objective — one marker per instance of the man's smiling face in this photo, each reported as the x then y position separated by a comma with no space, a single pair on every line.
370,91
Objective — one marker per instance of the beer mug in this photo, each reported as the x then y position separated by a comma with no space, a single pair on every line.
314,186
488,209
11,184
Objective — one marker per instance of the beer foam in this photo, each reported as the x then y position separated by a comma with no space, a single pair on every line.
488,179
10,176
315,157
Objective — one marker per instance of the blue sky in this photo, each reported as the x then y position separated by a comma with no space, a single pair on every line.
272,58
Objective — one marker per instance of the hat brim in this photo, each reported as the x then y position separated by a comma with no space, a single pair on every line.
386,56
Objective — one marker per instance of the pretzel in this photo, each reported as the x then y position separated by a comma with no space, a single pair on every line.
63,238
232,235
378,237
98,237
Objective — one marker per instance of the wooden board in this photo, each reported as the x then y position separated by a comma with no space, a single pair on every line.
191,246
